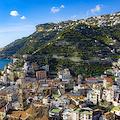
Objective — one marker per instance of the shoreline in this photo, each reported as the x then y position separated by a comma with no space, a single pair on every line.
4,62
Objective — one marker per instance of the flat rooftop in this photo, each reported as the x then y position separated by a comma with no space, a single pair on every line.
56,96
86,112
55,110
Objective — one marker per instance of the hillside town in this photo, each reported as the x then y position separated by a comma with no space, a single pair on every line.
32,92
100,21
60,60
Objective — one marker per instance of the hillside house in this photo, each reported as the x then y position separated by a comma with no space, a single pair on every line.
91,80
108,95
64,75
86,113
108,82
41,74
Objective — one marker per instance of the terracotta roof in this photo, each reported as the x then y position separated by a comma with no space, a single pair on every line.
81,97
90,78
2,109
32,96
85,85
74,98
97,111
109,80
37,118
46,88
3,94
31,111
68,92
56,80
71,106
108,115
112,90
44,117
15,113
35,102
36,81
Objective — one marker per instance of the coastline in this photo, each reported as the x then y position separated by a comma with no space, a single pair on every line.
4,62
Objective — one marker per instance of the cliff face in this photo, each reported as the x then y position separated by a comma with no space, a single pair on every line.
44,27
39,29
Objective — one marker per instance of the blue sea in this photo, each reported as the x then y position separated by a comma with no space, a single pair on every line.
4,62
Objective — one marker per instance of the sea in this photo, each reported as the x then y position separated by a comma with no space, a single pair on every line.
4,62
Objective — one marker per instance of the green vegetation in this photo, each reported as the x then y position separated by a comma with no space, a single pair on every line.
87,112
86,41
78,109
84,49
116,108
81,67
56,96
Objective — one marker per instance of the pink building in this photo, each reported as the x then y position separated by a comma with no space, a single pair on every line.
91,80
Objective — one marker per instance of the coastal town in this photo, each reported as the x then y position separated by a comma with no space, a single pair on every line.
68,70
32,92
59,60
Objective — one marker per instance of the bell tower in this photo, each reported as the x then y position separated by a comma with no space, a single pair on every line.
22,100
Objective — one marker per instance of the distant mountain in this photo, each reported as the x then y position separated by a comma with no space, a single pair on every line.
93,38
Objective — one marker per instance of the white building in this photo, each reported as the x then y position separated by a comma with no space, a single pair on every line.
64,75
67,114
92,97
116,110
46,68
15,59
28,67
46,100
117,74
108,95
4,78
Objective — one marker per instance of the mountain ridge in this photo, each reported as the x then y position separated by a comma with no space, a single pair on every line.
45,33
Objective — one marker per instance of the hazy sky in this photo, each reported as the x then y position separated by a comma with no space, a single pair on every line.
18,18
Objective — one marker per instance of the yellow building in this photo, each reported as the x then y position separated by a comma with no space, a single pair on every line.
41,75
35,66
108,116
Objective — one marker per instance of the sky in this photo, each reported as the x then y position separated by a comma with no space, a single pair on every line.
18,18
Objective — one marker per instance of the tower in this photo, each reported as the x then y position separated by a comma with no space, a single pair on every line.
22,100
80,78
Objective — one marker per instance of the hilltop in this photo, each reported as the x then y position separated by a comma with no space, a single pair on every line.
43,33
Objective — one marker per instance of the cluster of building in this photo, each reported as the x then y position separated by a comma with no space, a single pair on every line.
100,21
31,94
104,20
